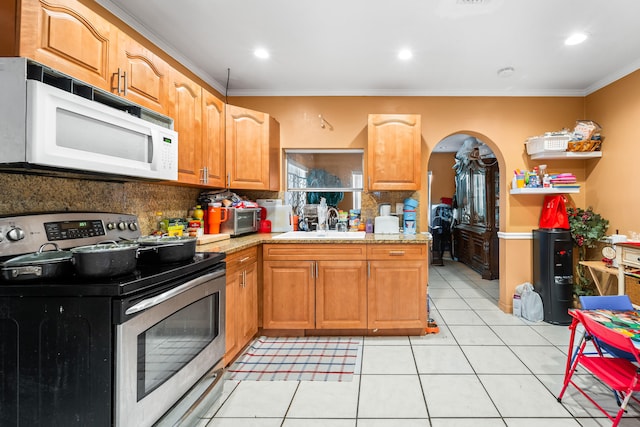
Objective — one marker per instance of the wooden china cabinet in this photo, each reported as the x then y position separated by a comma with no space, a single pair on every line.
475,235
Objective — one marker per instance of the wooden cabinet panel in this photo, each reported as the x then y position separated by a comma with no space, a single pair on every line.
341,295
252,150
248,304
393,151
186,110
390,294
232,346
143,74
70,38
213,143
396,252
318,252
241,301
288,295
397,294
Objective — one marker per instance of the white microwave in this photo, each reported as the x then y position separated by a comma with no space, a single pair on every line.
64,131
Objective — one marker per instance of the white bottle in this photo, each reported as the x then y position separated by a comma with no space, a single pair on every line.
514,182
322,215
546,181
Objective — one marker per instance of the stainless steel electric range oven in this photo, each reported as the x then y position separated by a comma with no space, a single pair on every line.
101,351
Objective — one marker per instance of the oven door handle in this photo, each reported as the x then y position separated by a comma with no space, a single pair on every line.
159,299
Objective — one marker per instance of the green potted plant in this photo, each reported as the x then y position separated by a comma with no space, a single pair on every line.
587,228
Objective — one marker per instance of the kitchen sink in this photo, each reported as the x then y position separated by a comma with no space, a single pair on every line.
315,235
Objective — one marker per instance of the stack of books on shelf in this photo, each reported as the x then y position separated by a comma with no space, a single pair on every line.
564,180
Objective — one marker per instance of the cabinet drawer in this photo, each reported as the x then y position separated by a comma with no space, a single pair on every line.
631,256
285,252
241,259
397,252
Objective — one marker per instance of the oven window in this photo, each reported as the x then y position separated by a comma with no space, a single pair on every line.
172,343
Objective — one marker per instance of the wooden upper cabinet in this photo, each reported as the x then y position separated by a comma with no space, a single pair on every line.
70,38
213,143
393,152
185,102
252,150
143,77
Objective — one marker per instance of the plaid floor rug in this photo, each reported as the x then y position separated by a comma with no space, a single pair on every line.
299,359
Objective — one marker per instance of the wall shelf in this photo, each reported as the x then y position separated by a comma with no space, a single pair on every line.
568,155
544,190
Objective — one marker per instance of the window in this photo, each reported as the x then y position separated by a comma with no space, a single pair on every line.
336,175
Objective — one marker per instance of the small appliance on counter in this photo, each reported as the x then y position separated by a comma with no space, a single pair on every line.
241,221
386,225
280,216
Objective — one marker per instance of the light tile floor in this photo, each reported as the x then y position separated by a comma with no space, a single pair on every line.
484,369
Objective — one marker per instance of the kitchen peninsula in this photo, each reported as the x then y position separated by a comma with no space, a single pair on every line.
309,286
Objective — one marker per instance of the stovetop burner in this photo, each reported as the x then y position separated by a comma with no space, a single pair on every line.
26,233
144,277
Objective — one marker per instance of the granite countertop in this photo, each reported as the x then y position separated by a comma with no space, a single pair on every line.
236,244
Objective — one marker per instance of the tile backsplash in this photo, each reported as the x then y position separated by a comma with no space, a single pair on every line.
23,193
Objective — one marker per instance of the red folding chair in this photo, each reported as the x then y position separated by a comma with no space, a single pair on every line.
620,374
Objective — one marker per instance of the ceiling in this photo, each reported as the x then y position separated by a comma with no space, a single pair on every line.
350,47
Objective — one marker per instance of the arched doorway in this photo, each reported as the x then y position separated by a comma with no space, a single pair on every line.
464,172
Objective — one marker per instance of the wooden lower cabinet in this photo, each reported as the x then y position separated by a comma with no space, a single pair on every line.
344,287
314,287
397,286
241,301
314,295
341,295
288,295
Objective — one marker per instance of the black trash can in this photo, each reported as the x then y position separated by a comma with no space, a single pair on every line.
553,273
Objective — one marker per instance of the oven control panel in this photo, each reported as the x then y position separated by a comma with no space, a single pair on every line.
26,233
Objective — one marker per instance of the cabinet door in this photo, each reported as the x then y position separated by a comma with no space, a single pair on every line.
397,294
341,295
288,295
213,143
232,345
70,38
248,304
249,146
393,151
186,110
143,76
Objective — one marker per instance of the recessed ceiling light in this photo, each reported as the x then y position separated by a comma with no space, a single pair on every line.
261,53
405,54
576,38
506,72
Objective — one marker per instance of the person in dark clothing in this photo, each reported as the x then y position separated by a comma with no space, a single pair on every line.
441,230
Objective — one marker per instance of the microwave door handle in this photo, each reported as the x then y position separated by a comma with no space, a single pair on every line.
159,299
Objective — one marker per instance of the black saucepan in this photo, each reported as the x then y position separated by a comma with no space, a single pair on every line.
39,265
167,249
105,259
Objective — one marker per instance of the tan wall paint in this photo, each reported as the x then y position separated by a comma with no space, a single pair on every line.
503,123
443,176
612,181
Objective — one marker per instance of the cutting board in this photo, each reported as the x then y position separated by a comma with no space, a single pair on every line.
281,218
210,238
